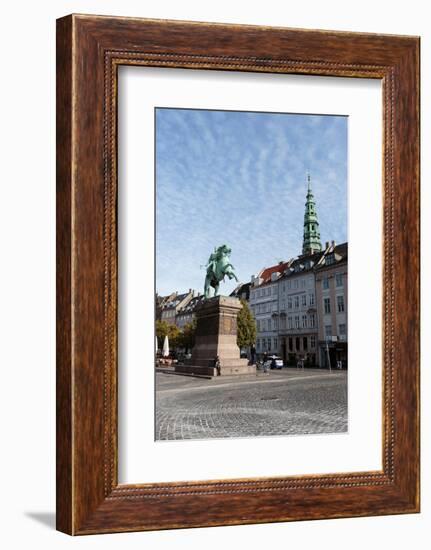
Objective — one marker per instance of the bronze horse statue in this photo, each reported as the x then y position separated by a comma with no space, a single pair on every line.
218,267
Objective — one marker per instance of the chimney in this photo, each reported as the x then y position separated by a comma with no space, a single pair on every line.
333,243
327,244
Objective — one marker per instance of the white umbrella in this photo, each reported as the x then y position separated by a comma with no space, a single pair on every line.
165,351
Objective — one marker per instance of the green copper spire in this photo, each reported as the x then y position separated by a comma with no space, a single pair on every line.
311,242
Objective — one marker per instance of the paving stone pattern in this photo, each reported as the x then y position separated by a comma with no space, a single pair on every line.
287,402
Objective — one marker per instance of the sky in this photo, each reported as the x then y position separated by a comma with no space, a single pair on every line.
240,178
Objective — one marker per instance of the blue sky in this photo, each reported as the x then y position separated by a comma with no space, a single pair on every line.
239,178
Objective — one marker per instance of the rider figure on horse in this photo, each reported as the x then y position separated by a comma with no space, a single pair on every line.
218,267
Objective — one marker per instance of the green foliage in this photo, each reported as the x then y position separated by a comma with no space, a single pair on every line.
177,338
166,329
246,333
186,338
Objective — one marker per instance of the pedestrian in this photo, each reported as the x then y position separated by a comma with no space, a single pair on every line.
253,355
217,365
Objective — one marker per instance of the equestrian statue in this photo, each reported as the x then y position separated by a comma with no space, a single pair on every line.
218,267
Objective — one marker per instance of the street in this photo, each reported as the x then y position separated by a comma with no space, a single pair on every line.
285,402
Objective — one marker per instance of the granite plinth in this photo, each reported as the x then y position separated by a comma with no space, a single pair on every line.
216,332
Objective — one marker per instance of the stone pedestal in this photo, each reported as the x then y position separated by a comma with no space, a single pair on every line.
216,332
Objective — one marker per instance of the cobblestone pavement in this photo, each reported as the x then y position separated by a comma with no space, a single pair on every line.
286,402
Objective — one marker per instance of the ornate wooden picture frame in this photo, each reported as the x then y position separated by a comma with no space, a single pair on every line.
89,51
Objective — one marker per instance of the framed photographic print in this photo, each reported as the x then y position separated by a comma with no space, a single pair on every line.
237,274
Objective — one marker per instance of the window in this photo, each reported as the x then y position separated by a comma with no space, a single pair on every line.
269,344
274,290
296,321
275,323
327,305
298,344
312,320
330,259
275,346
325,283
312,342
289,284
289,323
338,279
289,302
311,299
305,343
258,344
295,283
283,287
283,305
296,302
303,283
340,304
291,344
328,331
283,322
258,326
304,300
342,329
274,306
304,321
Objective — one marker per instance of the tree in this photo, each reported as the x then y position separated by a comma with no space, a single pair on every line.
246,326
162,330
166,329
187,336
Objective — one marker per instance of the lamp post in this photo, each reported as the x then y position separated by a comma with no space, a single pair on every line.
327,355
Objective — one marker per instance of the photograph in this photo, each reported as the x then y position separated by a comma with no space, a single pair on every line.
251,274
213,315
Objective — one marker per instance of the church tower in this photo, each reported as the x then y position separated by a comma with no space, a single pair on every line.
311,241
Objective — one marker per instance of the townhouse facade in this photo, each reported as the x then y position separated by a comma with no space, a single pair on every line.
332,307
175,302
264,304
297,312
186,314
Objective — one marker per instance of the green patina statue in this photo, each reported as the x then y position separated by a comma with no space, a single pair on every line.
218,267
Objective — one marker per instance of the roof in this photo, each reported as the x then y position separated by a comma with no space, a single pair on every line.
340,251
303,263
268,271
191,306
161,300
176,300
241,289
